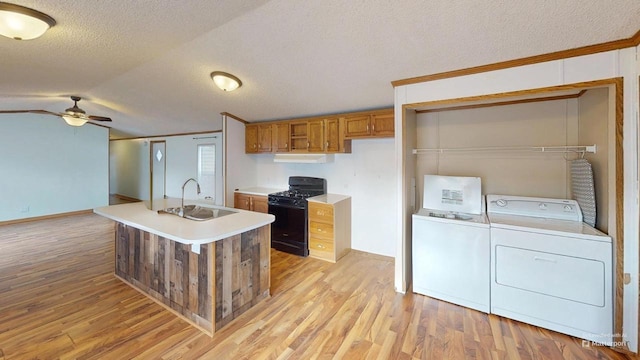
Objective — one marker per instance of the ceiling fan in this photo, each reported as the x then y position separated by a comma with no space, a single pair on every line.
73,116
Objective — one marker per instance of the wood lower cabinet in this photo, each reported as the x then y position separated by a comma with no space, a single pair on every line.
329,226
250,202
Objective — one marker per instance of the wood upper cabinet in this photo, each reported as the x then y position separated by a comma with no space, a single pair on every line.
264,138
280,137
318,135
251,138
315,138
357,126
257,138
250,202
380,124
333,139
299,138
383,125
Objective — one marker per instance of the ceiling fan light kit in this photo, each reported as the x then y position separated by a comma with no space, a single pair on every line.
225,81
74,120
73,116
22,23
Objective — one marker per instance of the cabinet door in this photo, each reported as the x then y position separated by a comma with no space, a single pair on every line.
315,136
251,139
281,137
264,138
382,125
241,201
332,135
260,204
356,126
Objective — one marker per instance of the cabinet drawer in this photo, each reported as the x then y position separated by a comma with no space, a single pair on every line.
321,245
321,229
321,212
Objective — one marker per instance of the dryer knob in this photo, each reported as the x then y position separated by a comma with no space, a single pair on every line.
542,206
501,202
568,208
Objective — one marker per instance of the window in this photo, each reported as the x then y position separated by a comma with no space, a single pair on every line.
207,170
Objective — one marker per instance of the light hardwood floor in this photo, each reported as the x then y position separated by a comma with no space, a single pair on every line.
59,299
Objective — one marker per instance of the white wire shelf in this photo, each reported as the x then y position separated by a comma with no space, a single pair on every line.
549,149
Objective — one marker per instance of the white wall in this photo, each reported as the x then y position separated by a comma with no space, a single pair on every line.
367,175
49,167
592,129
239,168
130,165
549,123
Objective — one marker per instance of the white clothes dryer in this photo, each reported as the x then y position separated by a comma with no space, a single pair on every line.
550,269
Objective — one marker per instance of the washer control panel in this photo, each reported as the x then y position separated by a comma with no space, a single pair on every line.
561,209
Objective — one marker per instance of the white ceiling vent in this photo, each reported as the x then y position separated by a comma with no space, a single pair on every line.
303,158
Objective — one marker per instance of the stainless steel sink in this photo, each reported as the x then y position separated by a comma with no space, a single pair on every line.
196,212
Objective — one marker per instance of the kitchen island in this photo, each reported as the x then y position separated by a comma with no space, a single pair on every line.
207,272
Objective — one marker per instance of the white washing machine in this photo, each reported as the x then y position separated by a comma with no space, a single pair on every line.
451,249
550,269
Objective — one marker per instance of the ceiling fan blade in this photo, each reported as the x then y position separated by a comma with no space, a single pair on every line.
99,118
46,112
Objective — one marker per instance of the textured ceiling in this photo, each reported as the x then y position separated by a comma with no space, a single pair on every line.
146,63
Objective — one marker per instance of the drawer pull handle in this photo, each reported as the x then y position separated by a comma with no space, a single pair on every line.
537,258
320,246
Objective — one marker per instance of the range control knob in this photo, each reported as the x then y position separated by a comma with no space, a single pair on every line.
568,208
501,202
542,206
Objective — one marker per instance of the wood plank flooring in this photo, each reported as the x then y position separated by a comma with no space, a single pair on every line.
59,300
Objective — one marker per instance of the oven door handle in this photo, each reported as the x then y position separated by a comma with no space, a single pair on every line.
286,206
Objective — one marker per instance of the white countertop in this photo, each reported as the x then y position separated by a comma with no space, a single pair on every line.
328,198
262,191
184,230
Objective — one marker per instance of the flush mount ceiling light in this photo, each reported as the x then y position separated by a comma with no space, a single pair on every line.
21,23
225,81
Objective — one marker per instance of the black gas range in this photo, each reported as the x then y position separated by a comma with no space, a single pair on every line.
289,230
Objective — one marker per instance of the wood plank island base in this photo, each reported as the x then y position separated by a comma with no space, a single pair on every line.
208,284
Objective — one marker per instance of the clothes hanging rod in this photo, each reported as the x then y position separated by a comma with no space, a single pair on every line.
554,149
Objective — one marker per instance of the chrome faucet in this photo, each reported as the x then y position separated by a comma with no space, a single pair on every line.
185,184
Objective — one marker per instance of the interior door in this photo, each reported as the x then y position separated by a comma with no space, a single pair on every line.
158,170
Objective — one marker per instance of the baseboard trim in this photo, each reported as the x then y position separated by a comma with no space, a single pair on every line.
125,198
45,217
